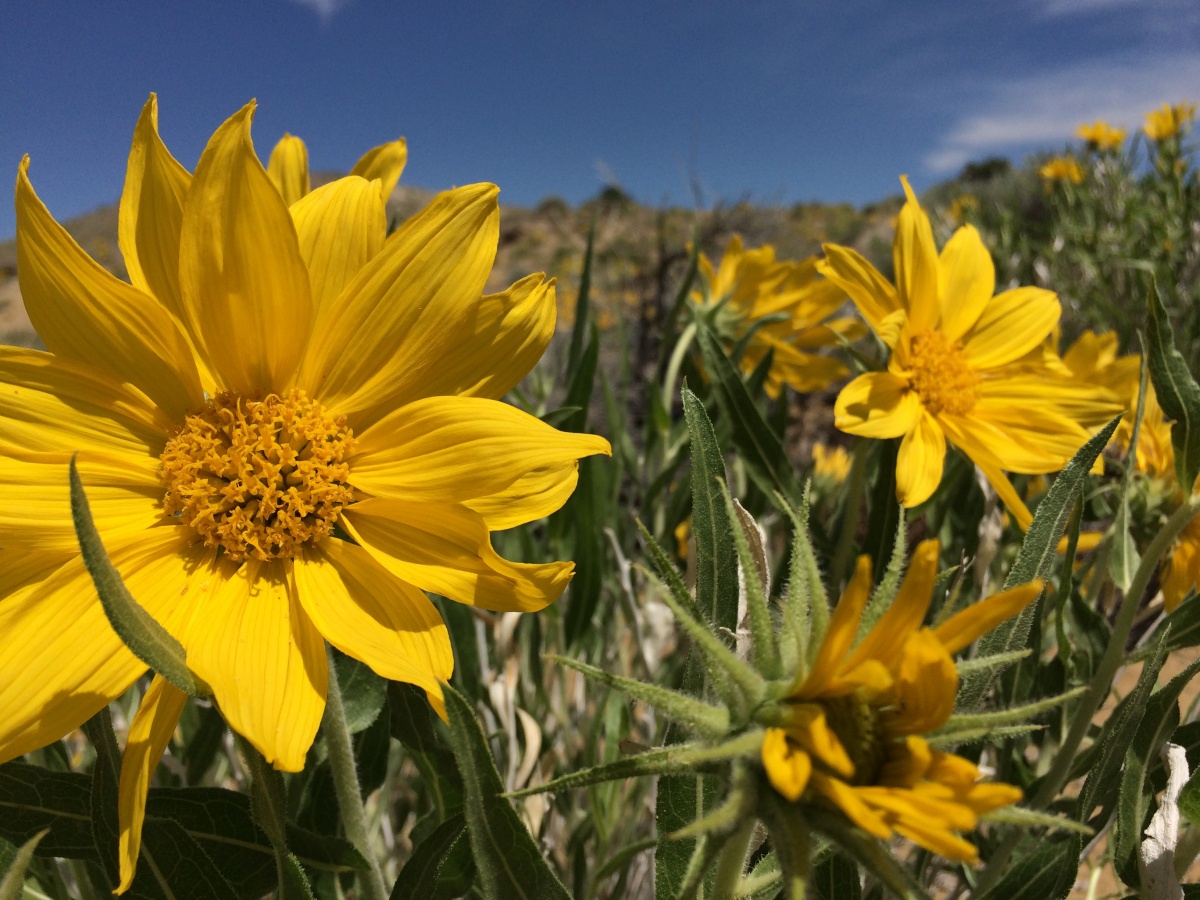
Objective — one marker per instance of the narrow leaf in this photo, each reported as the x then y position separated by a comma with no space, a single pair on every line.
440,867
12,886
1178,393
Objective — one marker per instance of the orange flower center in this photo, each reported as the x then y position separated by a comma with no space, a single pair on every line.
259,478
941,375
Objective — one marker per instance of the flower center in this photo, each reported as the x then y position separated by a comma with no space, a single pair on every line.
259,478
941,375
856,725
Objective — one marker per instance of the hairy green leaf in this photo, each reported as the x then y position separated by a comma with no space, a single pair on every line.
1178,393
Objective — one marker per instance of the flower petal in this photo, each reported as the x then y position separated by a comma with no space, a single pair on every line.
288,168
340,226
84,313
397,322
809,728
966,281
920,462
965,627
925,688
846,798
62,661
839,636
257,649
906,613
434,450
1011,325
915,257
532,496
244,286
368,613
152,213
445,549
386,163
787,766
873,294
877,405
149,733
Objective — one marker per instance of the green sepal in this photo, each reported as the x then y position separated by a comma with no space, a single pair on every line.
12,886
889,584
1011,716
1029,818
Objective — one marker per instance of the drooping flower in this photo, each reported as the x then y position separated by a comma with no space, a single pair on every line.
783,308
288,429
1061,168
1100,135
854,733
1169,120
965,367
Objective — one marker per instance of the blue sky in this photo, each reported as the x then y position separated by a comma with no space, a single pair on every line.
776,100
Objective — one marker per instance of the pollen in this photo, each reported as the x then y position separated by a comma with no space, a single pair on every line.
258,478
941,375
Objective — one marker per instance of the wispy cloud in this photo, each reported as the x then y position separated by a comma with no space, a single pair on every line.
1045,109
325,9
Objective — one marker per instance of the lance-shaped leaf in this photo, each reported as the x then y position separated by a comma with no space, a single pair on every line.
704,719
1044,868
1124,561
508,862
752,560
807,602
146,639
994,735
440,867
12,885
1011,716
835,877
1178,393
1029,818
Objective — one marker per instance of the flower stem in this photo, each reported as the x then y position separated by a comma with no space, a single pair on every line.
732,862
345,785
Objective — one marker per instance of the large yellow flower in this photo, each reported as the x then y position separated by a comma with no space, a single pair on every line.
854,735
784,307
1169,120
289,429
965,366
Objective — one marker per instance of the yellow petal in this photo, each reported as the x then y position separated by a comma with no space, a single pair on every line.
152,213
445,549
788,767
340,226
1012,324
149,733
62,661
431,450
926,686
385,163
839,636
1181,569
920,462
288,168
399,320
1048,412
368,613
244,285
497,345
907,612
256,647
846,798
907,763
84,313
808,728
963,628
915,257
48,405
966,280
877,405
873,294
532,496
35,505
937,840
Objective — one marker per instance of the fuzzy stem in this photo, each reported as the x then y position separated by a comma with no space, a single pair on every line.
732,863
345,785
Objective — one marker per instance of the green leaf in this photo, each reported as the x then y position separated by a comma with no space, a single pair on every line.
268,802
12,886
508,862
1044,869
1189,799
363,692
766,460
1124,561
716,558
440,867
1178,393
835,878
141,633
587,516
412,726
582,307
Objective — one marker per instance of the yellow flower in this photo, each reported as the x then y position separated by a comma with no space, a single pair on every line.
961,205
288,167
1061,168
1181,569
788,308
288,428
831,462
1169,121
1101,135
965,366
853,735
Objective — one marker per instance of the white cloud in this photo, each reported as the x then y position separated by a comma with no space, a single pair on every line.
324,8
1045,109
1078,7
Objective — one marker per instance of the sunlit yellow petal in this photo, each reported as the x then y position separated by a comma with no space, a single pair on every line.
915,258
288,168
808,728
846,798
787,766
920,462
432,450
907,612
385,163
926,686
265,661
873,294
445,549
151,213
395,324
1011,325
84,313
244,285
967,278
877,405
340,226
532,496
149,733
963,628
839,636
368,613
